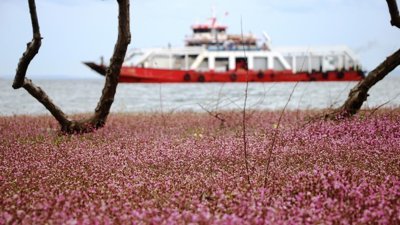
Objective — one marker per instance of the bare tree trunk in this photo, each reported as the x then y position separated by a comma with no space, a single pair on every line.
358,95
98,119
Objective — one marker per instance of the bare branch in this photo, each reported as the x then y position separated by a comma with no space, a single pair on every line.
32,48
112,74
214,114
273,142
394,13
359,93
43,98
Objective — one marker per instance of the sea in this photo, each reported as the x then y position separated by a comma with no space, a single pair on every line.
81,96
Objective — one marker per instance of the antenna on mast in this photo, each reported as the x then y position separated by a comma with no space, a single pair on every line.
213,17
213,11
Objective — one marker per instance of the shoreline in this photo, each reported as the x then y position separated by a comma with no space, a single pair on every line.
310,112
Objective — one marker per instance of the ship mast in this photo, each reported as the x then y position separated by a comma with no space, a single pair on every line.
214,31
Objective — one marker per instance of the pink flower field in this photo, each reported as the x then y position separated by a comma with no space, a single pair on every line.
188,168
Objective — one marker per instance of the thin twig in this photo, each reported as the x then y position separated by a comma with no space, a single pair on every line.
383,104
161,108
219,97
215,115
336,100
271,149
262,98
246,157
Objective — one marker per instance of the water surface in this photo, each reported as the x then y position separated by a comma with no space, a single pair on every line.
80,96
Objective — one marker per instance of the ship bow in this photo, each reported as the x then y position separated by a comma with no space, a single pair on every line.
96,67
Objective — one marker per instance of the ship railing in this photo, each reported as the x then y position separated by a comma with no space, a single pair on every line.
233,48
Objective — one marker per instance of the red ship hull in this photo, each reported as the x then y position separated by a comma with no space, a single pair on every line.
151,75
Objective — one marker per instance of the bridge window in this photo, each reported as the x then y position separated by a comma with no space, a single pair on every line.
203,65
241,63
301,63
278,66
221,64
202,30
260,63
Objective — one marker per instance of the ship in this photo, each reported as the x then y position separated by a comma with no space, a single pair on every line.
211,54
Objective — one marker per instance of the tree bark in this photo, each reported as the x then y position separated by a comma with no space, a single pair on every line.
32,48
358,95
394,13
98,119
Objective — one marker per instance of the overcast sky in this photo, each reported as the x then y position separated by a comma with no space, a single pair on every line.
82,30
